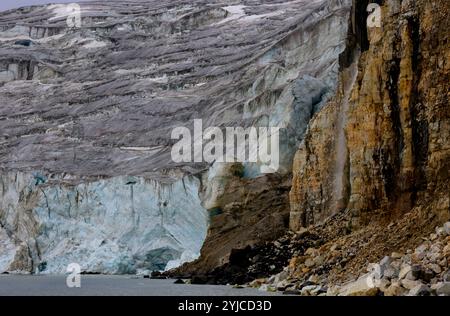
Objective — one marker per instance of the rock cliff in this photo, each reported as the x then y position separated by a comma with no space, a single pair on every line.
86,116
392,154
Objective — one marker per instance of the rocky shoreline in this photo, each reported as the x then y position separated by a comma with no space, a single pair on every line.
424,271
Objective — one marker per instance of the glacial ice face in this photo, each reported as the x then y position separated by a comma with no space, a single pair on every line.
120,225
7,250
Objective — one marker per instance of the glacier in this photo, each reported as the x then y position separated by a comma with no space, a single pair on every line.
86,116
122,225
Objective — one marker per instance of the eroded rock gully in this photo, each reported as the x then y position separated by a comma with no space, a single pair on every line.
87,113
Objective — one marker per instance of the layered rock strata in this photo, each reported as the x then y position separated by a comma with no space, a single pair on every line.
396,125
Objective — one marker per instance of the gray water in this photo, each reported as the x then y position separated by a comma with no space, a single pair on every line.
97,285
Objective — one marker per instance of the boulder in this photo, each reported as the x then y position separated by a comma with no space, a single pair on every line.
420,290
391,272
446,276
280,277
443,288
306,291
396,255
318,290
447,228
257,283
383,284
420,252
433,237
440,232
446,250
416,272
282,285
293,263
435,268
364,286
410,284
309,263
395,289
314,279
385,263
155,275
318,261
427,275
404,271
267,288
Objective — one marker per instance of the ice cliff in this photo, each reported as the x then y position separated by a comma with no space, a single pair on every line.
119,225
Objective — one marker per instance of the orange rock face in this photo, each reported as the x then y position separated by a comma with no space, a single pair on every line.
396,127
